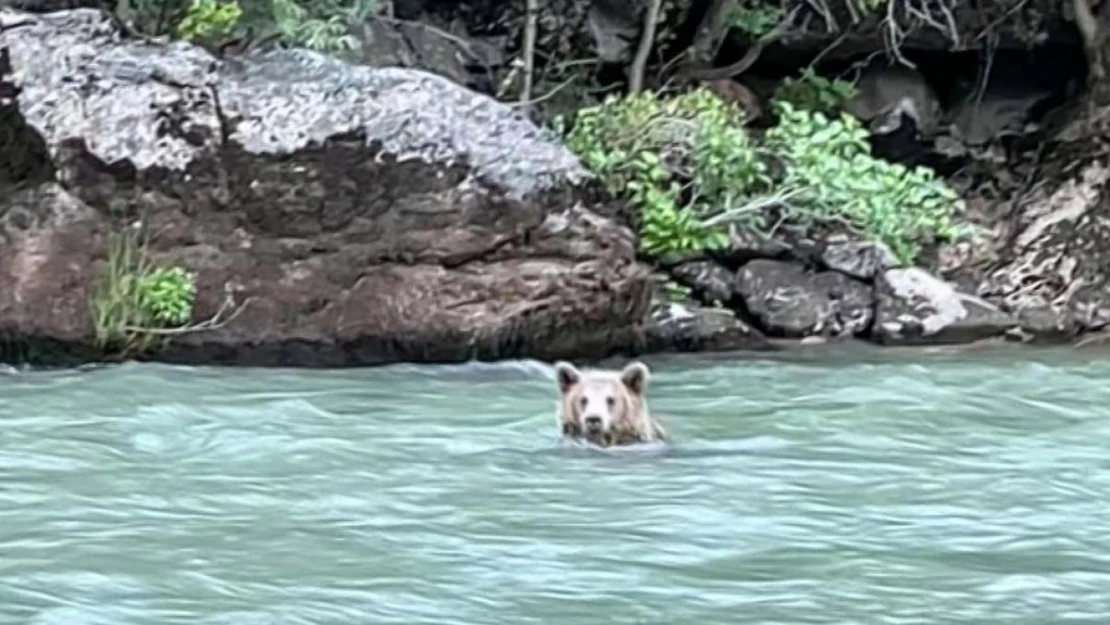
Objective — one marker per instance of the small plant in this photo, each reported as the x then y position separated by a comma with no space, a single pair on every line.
134,299
814,92
675,292
209,19
166,295
325,26
755,21
829,162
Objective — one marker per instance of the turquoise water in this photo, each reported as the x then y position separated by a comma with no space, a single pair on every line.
951,489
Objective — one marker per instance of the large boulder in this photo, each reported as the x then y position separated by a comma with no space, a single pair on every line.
352,215
792,302
916,307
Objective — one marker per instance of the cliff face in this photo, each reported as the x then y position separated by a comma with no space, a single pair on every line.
348,215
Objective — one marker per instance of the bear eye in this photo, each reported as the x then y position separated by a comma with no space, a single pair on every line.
583,401
610,400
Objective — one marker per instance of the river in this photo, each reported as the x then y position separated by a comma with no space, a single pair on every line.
946,488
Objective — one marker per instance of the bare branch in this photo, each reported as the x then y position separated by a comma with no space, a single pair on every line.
643,51
213,323
532,8
751,56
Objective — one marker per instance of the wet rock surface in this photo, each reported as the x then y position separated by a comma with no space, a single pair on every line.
353,215
790,301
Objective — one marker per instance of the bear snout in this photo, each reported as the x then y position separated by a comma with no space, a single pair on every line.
593,423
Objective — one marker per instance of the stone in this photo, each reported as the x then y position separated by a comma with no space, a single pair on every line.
48,259
1046,325
1057,243
916,307
859,259
350,215
415,44
689,327
789,301
707,279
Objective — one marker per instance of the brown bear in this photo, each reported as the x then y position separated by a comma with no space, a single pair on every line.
606,408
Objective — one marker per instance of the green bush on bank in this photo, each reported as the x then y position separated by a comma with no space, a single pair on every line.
678,160
324,25
688,165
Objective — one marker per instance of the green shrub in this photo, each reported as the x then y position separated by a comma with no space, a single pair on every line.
687,165
209,19
829,163
133,299
755,21
814,92
166,295
677,160
323,25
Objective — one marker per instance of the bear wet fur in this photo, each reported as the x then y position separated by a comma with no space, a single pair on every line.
606,408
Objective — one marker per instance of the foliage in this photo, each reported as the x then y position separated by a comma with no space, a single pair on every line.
209,19
687,165
829,162
755,21
675,159
321,24
324,25
675,292
166,295
133,298
814,92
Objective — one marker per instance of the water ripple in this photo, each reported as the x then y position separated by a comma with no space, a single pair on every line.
880,491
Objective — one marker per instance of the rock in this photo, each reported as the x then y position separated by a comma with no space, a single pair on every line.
415,44
916,307
353,215
1043,324
48,259
48,6
613,24
789,301
858,259
688,327
708,279
1056,248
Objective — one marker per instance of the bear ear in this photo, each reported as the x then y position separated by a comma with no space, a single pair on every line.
567,375
635,377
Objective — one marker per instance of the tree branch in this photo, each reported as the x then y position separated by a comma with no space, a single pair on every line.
643,51
531,9
750,57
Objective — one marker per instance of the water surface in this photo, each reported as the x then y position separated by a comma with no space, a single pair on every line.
948,489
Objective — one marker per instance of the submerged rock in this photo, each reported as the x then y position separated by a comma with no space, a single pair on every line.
353,215
789,301
916,307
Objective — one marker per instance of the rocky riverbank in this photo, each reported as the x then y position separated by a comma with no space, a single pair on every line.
342,214
332,214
